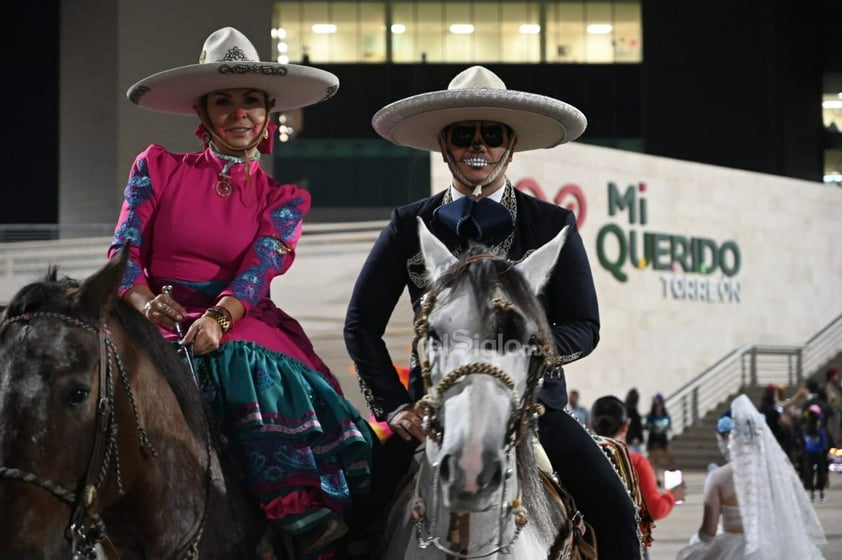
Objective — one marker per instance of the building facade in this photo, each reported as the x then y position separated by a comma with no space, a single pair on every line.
737,85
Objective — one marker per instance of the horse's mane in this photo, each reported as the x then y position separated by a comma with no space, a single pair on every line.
51,294
166,359
485,276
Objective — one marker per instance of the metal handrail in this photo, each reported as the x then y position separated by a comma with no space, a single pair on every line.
752,366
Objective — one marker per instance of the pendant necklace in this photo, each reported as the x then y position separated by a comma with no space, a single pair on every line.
223,185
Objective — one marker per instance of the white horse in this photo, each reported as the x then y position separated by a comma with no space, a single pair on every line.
484,345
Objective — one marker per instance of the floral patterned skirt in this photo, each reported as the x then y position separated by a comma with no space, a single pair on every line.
303,450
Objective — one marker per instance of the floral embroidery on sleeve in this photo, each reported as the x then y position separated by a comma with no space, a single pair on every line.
129,232
271,252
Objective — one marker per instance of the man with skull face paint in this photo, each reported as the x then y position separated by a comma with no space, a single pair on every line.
477,124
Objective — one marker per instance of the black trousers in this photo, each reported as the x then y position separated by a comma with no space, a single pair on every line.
581,465
588,474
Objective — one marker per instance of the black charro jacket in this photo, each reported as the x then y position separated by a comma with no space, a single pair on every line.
395,262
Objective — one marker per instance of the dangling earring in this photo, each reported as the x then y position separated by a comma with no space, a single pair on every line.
265,133
206,138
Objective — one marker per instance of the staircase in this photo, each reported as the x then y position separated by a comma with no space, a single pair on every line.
695,447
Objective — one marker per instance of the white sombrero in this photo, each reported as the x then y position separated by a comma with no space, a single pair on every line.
478,94
229,60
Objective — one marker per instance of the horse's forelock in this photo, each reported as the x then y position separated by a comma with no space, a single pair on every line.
485,274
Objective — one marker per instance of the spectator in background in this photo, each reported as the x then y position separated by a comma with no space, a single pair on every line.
815,445
776,419
577,410
816,396
658,425
762,505
833,392
610,419
634,435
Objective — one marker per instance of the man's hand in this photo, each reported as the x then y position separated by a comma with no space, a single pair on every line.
407,424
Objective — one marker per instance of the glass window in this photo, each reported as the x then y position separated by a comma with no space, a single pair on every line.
512,31
832,120
593,32
328,32
520,32
628,44
404,28
565,35
429,31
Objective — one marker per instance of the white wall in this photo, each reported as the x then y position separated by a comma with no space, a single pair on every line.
788,233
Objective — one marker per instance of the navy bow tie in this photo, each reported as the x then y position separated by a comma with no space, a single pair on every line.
465,219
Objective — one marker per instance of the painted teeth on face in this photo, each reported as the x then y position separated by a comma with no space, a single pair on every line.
475,162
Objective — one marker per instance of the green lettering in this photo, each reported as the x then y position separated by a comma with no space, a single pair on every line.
733,267
624,202
614,267
661,250
679,252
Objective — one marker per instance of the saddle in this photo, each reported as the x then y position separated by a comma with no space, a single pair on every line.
618,453
582,545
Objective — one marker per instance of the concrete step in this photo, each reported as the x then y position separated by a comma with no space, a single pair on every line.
696,448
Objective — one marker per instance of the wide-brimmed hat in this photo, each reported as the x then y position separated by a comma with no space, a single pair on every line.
479,94
229,60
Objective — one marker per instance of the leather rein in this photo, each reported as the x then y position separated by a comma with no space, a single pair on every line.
86,529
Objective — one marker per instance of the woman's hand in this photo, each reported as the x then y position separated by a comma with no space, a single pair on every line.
205,334
680,492
164,311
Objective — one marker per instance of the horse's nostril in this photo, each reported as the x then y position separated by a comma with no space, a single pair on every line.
444,468
492,474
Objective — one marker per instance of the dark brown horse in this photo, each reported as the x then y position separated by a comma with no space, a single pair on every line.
104,438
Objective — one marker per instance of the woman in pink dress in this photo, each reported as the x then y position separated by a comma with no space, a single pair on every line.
214,226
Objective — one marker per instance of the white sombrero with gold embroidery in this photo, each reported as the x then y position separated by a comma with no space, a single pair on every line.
479,94
229,60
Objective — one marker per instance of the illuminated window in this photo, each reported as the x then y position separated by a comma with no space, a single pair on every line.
526,31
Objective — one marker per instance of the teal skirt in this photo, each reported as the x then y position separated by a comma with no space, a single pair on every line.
302,450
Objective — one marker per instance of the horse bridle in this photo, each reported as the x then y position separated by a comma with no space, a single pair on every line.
83,534
430,404
522,415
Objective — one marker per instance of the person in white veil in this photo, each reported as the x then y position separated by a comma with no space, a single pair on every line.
764,510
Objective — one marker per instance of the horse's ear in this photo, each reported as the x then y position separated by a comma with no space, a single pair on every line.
537,267
98,290
437,257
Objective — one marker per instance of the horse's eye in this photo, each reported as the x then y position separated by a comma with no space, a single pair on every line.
433,335
78,396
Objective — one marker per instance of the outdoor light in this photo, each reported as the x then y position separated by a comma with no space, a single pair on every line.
462,28
600,28
324,28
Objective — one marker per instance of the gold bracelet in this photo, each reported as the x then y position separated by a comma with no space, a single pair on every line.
220,317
